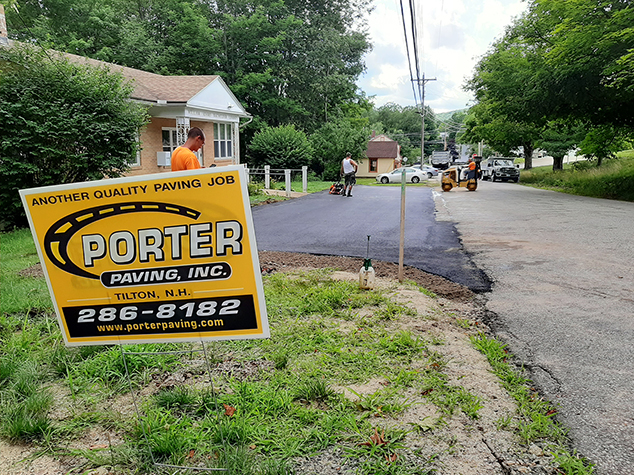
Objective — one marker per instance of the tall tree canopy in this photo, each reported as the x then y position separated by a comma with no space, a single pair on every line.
561,61
332,141
588,47
287,60
404,125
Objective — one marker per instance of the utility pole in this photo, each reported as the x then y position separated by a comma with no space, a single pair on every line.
421,88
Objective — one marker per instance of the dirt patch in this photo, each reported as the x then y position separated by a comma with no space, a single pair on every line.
271,261
33,271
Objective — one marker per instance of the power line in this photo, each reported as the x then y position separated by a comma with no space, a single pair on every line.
409,60
415,43
442,8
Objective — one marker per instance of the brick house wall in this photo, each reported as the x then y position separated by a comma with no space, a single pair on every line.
152,142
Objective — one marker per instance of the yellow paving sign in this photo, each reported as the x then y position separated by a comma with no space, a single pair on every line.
154,258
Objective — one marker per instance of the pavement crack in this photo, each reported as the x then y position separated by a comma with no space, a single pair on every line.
539,379
498,457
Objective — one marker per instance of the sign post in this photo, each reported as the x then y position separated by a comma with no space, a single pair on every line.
154,258
401,245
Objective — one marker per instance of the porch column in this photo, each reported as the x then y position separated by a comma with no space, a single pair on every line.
235,141
4,40
182,129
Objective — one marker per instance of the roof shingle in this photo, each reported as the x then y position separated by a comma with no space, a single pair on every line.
150,86
382,149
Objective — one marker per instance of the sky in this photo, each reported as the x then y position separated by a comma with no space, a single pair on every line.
452,36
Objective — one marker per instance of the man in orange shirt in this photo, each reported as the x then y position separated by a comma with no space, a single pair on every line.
468,172
183,157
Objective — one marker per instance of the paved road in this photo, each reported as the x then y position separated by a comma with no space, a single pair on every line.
335,225
563,277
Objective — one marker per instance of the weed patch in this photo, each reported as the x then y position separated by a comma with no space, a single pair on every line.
536,416
613,180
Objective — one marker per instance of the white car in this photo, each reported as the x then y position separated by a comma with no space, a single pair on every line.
431,171
412,175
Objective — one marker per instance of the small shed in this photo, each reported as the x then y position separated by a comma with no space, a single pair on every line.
383,155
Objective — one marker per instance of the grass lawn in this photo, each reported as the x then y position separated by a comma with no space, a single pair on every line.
20,293
261,407
613,180
256,196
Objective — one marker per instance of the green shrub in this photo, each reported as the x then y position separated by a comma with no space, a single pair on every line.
255,188
61,123
280,147
331,143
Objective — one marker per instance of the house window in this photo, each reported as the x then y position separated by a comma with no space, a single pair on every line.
169,140
222,141
170,143
374,164
136,162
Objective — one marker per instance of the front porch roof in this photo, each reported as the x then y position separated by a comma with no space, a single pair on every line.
205,98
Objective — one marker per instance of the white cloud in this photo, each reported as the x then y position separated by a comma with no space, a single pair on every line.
389,76
452,34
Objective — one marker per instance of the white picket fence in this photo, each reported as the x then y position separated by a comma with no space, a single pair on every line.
269,172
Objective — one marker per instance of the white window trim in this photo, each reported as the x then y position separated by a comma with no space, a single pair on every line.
229,138
137,158
174,145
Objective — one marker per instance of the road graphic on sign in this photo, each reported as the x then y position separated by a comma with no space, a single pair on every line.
59,234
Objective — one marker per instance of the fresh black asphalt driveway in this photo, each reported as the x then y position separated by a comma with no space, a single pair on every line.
326,224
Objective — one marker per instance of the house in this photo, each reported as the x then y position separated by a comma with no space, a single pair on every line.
176,103
383,155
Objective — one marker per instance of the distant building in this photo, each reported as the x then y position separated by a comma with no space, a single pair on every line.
382,155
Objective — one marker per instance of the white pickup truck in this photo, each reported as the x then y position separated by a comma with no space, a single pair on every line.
441,160
500,168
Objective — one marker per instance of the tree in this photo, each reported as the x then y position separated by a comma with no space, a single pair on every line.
287,61
507,83
561,62
280,147
293,61
588,47
404,124
604,141
455,125
486,123
332,142
61,123
166,36
560,137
